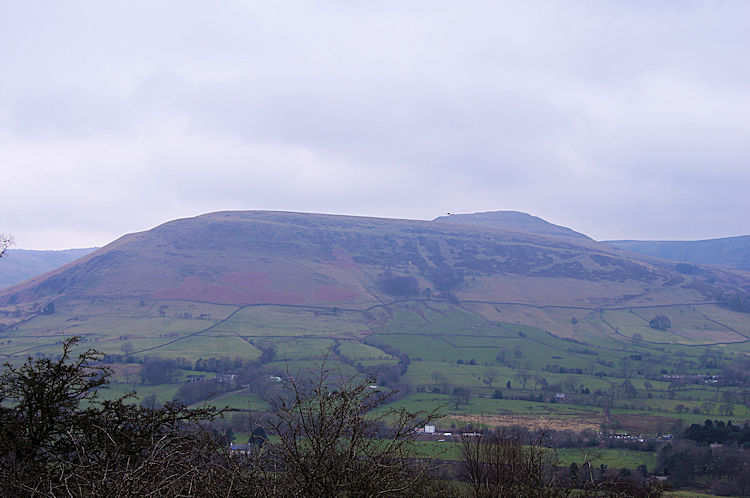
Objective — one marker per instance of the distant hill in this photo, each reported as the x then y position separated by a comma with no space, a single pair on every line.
296,258
512,220
488,305
21,264
731,252
221,284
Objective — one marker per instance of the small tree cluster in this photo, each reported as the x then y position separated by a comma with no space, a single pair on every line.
660,322
399,286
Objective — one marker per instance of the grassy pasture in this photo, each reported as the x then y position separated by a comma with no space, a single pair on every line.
740,347
728,318
545,318
482,411
302,348
271,320
439,318
612,458
690,325
356,351
550,290
113,326
420,374
163,392
629,324
297,368
20,347
239,401
206,346
437,337
417,346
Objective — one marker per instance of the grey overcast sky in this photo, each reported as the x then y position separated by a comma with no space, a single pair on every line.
625,119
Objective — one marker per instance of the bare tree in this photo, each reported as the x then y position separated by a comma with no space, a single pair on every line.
501,463
490,375
539,381
504,463
569,383
333,441
441,381
523,377
726,409
461,396
127,348
6,241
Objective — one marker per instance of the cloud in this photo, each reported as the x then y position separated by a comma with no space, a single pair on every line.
619,120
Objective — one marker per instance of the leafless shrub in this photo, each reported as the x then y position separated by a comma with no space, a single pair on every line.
332,440
328,439
501,462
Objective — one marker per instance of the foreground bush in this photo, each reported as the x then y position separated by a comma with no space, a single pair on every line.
58,437
330,437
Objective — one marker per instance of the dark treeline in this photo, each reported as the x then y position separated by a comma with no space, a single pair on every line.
712,456
719,432
721,469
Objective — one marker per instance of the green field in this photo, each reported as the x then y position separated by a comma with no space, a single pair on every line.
612,458
485,348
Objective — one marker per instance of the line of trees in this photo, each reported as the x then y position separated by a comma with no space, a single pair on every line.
722,469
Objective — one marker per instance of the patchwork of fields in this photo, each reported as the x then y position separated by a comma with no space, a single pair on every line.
489,349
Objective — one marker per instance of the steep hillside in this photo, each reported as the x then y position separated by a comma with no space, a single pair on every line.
291,258
731,252
22,264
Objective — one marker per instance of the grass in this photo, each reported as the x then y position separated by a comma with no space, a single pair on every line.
612,458
239,401
481,411
310,367
163,392
205,346
302,348
285,321
462,343
356,351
